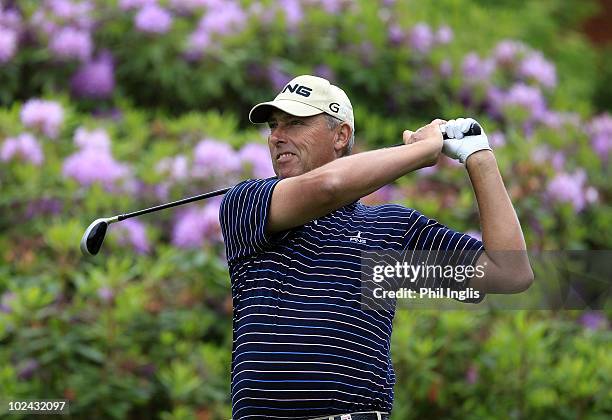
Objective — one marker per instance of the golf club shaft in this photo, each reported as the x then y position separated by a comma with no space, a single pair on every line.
173,204
474,130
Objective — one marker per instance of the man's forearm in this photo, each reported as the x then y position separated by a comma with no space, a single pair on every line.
501,229
506,260
356,176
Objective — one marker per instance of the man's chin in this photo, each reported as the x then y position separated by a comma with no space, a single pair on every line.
288,173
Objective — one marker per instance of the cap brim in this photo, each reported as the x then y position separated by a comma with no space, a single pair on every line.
261,112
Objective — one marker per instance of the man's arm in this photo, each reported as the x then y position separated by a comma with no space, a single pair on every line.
505,259
298,200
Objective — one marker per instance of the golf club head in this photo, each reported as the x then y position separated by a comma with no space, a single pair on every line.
94,236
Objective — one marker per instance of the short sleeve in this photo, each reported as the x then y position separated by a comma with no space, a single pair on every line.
445,247
243,216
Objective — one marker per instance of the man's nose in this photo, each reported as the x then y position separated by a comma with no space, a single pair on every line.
277,136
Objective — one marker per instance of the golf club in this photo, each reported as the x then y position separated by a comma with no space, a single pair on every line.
94,235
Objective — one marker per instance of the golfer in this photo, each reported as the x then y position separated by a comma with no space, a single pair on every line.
303,347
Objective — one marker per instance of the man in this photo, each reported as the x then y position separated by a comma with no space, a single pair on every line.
303,345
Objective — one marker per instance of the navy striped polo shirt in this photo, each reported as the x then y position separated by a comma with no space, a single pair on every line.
302,345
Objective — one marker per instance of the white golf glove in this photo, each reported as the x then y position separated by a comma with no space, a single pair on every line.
458,146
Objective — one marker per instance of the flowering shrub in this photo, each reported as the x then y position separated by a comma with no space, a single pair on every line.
109,107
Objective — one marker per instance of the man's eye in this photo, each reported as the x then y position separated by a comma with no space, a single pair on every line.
296,122
271,125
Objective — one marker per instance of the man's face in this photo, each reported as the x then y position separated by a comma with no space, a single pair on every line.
299,144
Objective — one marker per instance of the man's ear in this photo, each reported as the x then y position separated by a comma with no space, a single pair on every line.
341,139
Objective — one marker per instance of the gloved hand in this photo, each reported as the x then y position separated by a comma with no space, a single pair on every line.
459,147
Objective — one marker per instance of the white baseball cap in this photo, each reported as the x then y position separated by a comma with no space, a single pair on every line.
305,96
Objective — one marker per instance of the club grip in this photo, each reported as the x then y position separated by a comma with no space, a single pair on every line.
473,131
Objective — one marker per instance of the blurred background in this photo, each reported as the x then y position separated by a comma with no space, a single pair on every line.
111,106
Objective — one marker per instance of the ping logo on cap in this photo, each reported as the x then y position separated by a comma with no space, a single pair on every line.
299,89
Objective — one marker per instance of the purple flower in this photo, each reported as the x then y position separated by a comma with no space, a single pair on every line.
153,19
497,139
188,231
366,52
68,43
43,206
551,119
332,6
24,146
148,370
507,51
176,168
41,21
224,19
62,8
69,12
214,158
135,4
10,19
425,74
257,156
591,195
558,160
210,221
476,69
325,72
162,191
444,34
396,34
471,375
536,67
528,97
8,44
197,225
446,68
421,37
427,171
97,139
277,76
385,194
594,320
27,369
91,165
132,232
95,79
495,101
189,6
105,293
5,302
541,154
113,114
47,116
568,188
293,11
600,130
197,43
258,11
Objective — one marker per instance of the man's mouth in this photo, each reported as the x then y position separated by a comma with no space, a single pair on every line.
284,157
